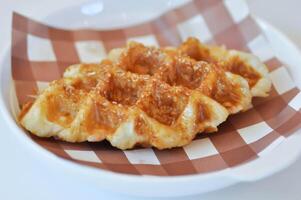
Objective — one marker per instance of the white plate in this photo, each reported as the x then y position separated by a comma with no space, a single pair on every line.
94,14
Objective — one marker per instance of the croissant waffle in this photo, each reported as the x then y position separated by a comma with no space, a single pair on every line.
146,96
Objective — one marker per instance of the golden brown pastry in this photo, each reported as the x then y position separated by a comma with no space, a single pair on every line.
147,96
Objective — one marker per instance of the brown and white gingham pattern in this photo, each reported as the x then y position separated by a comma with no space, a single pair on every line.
41,53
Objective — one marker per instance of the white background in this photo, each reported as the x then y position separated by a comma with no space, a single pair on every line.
24,177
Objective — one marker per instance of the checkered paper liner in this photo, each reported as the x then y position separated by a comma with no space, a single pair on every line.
41,53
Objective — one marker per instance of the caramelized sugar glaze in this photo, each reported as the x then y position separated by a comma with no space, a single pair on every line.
145,96
177,69
199,52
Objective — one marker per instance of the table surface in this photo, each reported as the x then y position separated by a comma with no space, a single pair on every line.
24,177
